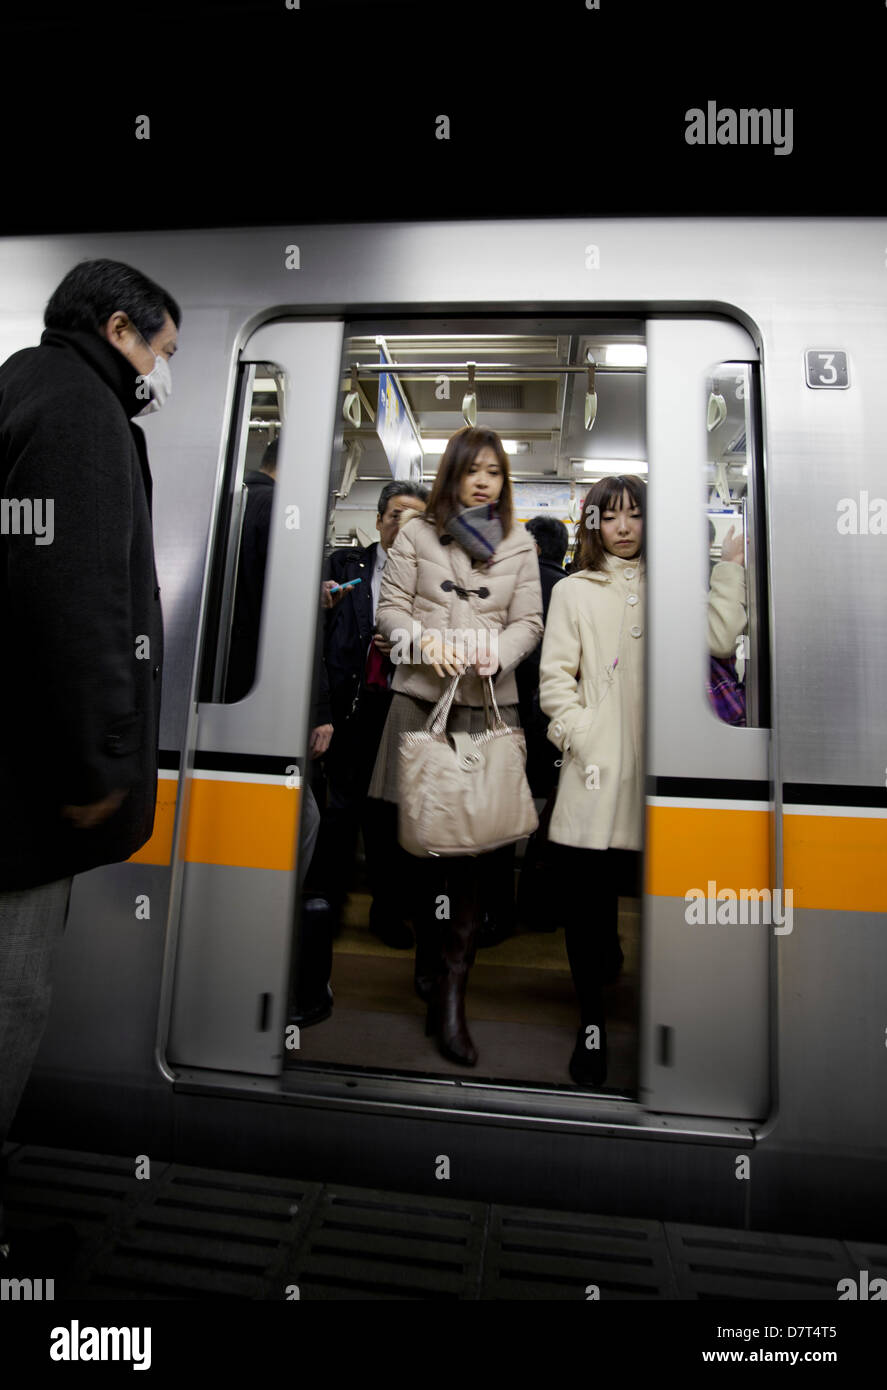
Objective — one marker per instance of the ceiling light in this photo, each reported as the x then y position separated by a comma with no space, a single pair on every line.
607,467
625,355
437,446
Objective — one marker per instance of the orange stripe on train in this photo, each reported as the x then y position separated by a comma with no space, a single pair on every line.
688,845
250,825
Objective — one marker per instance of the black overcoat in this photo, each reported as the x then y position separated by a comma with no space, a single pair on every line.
80,618
348,630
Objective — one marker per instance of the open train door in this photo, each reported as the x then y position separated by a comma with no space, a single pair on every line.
234,883
705,976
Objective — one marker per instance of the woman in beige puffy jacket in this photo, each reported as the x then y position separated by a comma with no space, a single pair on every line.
462,565
591,684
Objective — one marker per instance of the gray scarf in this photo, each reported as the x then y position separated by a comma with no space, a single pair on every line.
477,529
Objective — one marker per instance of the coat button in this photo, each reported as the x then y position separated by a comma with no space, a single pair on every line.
156,672
632,599
636,632
629,574
157,592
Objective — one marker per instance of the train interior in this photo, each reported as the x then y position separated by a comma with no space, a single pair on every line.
403,394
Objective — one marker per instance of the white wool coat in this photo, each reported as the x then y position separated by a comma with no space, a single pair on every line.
591,684
597,708
418,566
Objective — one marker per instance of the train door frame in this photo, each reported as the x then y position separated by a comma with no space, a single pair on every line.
710,798
415,1092
223,1006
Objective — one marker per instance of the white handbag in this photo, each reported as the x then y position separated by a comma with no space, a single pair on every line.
463,793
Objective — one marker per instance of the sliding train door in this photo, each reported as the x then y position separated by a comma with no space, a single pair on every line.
712,904
232,902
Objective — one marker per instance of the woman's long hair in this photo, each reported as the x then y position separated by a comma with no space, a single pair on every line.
604,494
461,451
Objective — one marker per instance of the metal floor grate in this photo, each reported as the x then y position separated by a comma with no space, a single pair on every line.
555,1255
753,1264
196,1233
374,1245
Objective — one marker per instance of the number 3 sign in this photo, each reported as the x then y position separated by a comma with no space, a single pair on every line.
827,369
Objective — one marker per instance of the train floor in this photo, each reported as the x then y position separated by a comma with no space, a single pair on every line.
192,1233
520,1006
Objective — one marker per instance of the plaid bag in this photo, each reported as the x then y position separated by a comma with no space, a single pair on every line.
725,691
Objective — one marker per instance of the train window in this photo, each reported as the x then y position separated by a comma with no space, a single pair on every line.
737,683
243,538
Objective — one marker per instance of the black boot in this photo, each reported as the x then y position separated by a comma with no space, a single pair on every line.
446,1013
312,998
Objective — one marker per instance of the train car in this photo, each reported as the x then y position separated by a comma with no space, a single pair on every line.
738,367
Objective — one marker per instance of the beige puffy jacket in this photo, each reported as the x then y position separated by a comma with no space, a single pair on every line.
417,568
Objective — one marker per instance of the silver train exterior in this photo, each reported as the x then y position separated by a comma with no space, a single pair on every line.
167,1022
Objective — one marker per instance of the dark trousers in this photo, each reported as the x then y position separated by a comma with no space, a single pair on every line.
537,907
349,768
591,881
32,921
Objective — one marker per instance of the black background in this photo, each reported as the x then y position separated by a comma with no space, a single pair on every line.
260,114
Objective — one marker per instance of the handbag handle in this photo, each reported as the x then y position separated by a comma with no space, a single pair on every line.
436,722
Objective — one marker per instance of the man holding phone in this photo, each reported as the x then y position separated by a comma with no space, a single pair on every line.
360,674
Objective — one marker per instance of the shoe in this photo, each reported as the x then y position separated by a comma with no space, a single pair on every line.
393,931
307,1016
588,1066
446,1018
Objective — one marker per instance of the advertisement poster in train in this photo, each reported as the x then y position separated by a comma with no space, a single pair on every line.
394,428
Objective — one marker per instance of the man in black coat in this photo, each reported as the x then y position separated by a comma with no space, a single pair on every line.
80,623
360,698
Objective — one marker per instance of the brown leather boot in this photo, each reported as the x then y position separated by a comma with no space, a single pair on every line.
446,1014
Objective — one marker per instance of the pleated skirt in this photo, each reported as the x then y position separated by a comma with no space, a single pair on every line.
409,715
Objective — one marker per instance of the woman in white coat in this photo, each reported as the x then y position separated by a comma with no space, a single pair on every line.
591,685
462,565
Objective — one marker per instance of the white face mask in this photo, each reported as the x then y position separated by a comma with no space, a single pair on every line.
159,383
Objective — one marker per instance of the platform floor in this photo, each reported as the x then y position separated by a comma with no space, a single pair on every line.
521,1008
196,1233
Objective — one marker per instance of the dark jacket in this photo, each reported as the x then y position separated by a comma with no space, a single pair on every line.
348,629
80,618
251,564
541,755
